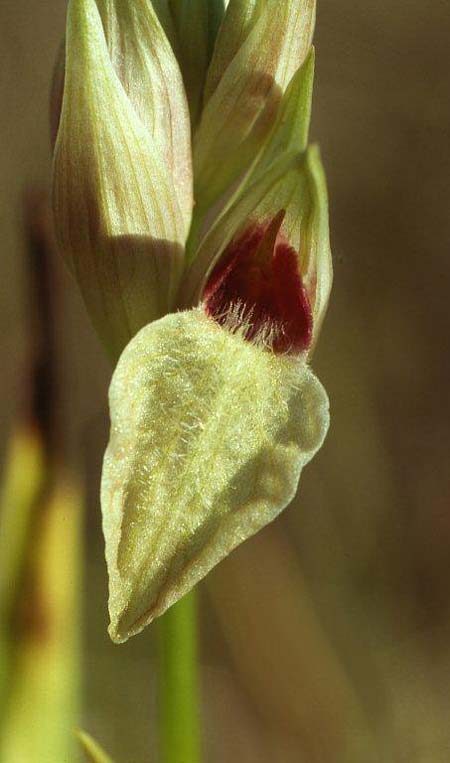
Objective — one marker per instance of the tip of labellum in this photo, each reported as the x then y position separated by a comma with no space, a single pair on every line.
259,275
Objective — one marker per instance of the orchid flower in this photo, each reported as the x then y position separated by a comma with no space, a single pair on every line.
193,214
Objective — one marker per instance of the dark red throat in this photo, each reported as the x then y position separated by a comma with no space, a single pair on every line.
259,274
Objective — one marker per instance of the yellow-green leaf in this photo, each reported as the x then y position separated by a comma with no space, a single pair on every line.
44,696
209,435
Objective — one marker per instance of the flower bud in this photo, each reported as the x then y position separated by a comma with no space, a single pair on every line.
256,54
286,185
122,175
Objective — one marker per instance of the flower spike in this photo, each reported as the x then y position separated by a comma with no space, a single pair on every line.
210,310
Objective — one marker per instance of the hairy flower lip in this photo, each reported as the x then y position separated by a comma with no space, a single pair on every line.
209,437
257,286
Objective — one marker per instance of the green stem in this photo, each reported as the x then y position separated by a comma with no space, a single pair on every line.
178,683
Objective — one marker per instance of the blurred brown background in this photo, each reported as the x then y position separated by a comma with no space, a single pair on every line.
326,639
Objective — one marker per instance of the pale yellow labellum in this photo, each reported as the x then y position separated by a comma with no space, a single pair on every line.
209,435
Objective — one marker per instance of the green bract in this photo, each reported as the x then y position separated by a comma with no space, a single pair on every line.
209,434
122,178
258,50
212,420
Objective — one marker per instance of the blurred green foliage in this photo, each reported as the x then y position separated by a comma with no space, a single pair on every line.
41,576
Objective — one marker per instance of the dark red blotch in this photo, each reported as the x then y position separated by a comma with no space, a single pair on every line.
259,271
